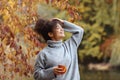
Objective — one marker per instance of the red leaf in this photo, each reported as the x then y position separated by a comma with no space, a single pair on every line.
47,1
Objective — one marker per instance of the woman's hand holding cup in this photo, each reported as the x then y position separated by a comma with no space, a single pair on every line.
59,70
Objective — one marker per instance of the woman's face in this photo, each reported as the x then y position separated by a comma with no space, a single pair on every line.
57,33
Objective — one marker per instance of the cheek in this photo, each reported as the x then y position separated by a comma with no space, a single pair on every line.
58,33
55,34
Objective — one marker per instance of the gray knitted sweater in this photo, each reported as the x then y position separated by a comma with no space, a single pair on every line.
58,52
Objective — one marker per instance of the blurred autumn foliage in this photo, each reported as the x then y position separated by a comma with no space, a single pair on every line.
19,44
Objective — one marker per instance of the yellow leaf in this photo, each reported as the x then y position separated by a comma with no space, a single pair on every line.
11,3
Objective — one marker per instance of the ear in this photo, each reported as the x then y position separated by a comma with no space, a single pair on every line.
50,34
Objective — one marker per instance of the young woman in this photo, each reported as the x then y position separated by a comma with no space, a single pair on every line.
58,60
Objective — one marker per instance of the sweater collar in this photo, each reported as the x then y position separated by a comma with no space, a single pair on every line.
53,44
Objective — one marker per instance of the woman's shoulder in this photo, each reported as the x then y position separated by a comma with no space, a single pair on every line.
43,51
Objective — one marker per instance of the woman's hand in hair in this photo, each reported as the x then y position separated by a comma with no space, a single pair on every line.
57,19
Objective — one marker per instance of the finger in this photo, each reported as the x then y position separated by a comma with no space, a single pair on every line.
59,69
57,19
56,70
59,72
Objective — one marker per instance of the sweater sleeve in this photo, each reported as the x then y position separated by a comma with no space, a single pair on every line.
40,73
77,33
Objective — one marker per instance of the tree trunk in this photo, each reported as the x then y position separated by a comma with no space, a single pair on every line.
116,14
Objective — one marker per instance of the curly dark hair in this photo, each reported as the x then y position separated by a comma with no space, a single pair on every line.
43,27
